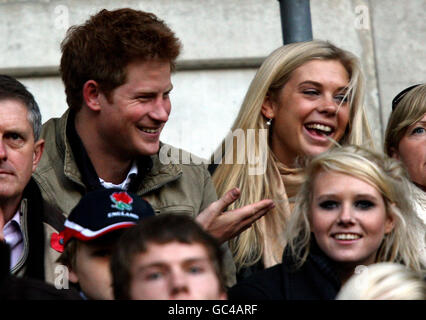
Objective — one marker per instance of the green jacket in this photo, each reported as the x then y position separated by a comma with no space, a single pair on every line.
169,188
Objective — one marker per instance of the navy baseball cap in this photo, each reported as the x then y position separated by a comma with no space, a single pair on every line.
102,211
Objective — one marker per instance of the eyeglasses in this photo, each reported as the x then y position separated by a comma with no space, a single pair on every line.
401,95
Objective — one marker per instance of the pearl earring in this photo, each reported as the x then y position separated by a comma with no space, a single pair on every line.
269,122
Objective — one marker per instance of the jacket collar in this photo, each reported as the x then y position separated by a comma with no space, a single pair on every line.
64,149
323,262
318,273
160,173
88,174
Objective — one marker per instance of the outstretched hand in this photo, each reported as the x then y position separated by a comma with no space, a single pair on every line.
226,225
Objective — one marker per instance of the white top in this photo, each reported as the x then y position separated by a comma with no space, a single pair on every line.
420,206
125,184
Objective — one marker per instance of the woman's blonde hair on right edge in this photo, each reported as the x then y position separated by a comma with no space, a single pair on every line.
388,177
384,281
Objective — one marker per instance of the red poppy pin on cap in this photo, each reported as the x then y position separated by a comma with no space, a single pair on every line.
57,242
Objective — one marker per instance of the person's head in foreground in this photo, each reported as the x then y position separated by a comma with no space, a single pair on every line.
384,281
356,207
167,257
116,68
405,137
92,231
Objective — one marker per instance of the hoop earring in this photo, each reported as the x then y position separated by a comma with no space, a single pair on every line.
269,122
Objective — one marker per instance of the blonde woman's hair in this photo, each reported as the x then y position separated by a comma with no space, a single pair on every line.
384,281
272,75
389,178
409,110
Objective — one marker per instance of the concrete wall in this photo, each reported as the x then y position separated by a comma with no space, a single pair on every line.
231,37
400,41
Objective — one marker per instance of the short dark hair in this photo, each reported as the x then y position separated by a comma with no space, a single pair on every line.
68,257
102,47
160,229
12,89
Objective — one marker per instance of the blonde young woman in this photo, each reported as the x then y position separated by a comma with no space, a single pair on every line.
353,210
405,138
304,95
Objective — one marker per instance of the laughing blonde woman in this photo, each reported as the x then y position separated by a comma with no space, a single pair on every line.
353,210
304,96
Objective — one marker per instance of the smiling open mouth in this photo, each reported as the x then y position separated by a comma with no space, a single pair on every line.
148,130
346,236
319,129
